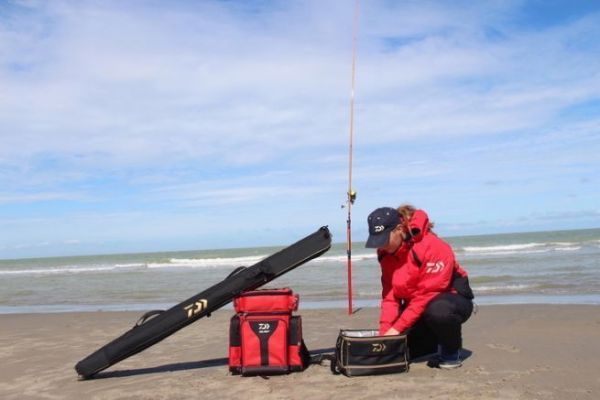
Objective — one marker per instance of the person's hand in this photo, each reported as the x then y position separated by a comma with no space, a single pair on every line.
391,331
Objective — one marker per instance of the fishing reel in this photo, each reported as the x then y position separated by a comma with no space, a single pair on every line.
351,198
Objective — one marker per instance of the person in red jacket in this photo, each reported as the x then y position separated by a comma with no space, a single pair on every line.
425,292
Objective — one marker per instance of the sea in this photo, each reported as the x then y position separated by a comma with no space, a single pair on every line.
559,267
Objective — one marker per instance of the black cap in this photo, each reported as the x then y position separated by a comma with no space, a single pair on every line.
381,223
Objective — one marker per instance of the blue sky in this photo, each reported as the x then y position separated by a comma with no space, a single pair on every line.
148,125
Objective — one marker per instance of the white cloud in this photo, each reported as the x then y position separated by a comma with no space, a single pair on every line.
195,104
169,83
37,197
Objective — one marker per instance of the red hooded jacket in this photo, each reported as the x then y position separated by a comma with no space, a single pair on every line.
412,276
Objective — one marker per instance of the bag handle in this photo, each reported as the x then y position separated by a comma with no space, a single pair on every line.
146,316
236,271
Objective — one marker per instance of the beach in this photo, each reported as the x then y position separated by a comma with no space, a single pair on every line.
511,352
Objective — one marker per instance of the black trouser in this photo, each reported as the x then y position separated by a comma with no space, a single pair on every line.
441,323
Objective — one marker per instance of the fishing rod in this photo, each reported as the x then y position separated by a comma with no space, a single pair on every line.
351,193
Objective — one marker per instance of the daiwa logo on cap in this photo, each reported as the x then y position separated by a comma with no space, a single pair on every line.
381,223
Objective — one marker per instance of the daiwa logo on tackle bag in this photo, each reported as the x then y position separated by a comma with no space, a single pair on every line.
378,347
264,328
264,337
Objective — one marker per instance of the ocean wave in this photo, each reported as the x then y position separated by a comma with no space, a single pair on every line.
501,248
179,263
344,257
71,269
207,262
130,265
490,278
567,244
501,288
508,253
568,248
522,248
541,287
243,261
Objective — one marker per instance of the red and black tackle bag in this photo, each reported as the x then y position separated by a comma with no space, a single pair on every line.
264,337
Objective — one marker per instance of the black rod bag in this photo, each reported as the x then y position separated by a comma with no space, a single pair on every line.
154,326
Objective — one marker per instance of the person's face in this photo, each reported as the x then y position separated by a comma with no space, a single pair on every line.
395,240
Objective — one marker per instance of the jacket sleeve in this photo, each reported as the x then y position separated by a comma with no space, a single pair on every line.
389,304
387,273
390,307
414,310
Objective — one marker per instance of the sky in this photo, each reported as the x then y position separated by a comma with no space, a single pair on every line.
134,126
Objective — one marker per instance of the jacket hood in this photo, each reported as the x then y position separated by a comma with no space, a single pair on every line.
419,225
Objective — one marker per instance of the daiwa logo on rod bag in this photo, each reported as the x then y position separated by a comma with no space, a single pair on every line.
264,337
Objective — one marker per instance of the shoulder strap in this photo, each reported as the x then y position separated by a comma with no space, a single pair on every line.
305,356
334,366
416,258
335,358
331,357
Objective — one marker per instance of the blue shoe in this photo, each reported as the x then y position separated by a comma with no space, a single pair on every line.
449,361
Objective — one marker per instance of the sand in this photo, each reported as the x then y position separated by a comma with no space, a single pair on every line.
514,352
